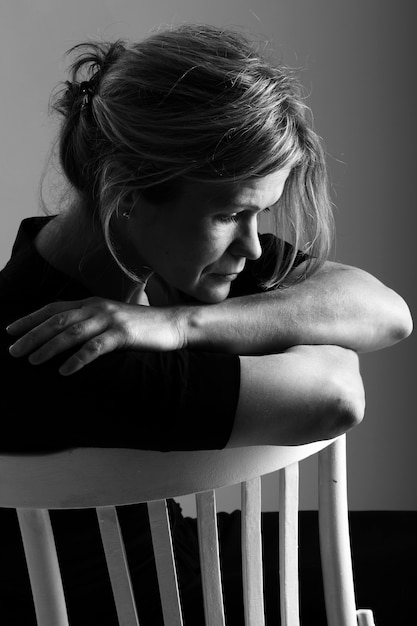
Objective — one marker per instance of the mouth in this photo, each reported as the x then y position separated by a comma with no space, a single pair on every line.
226,274
227,277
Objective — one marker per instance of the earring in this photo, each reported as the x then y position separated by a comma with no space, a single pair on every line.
126,214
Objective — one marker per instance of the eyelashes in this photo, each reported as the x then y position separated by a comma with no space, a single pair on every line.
228,218
234,217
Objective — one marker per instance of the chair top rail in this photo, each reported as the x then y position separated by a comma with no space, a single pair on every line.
94,477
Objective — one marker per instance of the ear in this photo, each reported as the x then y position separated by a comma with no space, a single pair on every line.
128,204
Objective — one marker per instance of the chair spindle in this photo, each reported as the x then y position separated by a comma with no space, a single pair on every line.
334,536
210,558
117,565
288,545
165,562
43,567
253,593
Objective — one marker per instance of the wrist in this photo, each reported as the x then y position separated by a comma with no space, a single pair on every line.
180,321
188,320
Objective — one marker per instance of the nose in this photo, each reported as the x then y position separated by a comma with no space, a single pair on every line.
246,243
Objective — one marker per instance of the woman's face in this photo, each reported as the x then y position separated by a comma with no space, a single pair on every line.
200,242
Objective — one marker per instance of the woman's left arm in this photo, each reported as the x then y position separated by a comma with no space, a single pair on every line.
339,305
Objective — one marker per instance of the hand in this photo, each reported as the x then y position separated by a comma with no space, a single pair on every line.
100,325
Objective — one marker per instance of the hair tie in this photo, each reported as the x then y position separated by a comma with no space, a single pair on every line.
86,92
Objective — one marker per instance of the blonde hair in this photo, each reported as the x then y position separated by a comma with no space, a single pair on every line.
192,103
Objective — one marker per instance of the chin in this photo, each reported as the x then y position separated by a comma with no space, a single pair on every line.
213,296
208,291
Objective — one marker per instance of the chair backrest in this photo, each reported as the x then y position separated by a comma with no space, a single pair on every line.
106,478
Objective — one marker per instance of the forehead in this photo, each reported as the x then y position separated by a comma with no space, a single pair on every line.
256,193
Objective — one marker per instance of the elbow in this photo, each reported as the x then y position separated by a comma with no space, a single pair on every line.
395,322
348,412
381,313
345,408
402,322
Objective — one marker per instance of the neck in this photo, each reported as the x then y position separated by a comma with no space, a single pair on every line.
74,245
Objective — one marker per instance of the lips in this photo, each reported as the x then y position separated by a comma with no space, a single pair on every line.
226,274
229,272
226,277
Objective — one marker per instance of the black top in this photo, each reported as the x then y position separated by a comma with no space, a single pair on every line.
177,400
172,400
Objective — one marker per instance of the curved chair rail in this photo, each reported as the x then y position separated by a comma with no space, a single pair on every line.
104,478
96,477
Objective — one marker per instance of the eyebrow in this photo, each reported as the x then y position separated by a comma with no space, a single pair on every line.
245,205
248,205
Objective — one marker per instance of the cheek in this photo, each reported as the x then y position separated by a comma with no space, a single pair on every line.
185,251
202,247
209,251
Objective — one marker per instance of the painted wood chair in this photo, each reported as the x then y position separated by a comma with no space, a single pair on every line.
106,478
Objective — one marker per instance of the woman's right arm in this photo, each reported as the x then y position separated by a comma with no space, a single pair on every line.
304,394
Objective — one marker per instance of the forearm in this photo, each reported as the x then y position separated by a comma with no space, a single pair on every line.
340,305
304,394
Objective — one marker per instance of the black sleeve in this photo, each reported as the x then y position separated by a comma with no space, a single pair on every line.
178,400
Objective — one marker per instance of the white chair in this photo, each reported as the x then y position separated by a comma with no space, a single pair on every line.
106,478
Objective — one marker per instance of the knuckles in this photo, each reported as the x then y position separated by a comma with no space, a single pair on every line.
77,329
94,346
60,320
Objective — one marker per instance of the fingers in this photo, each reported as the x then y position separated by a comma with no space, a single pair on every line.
24,324
27,323
60,326
99,345
55,335
89,332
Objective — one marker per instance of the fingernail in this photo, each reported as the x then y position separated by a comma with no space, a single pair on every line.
68,368
14,350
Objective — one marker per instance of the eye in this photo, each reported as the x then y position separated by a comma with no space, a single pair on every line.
234,217
231,217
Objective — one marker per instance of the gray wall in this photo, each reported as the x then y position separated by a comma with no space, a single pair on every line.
358,58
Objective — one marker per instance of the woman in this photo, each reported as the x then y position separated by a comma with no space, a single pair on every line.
162,320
